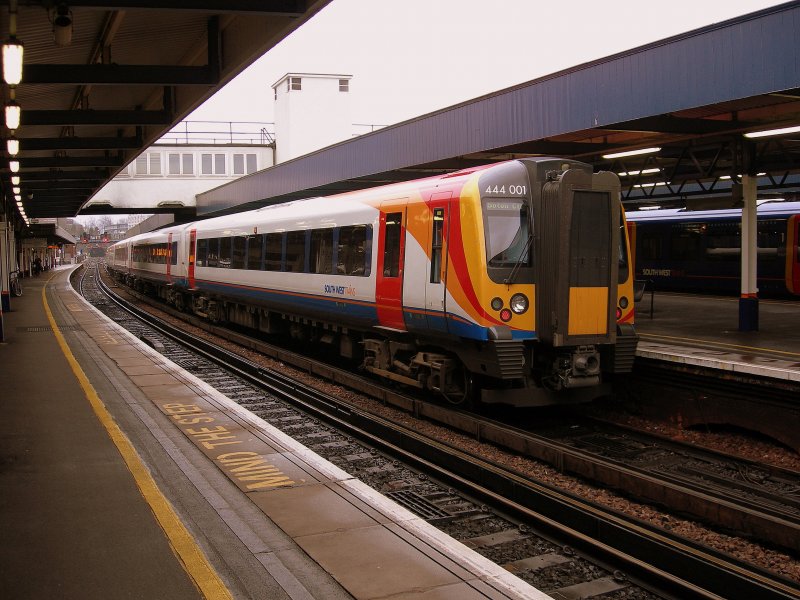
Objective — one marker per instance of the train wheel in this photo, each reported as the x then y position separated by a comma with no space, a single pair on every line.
460,388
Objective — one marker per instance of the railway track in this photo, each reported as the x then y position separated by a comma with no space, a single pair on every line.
540,522
738,496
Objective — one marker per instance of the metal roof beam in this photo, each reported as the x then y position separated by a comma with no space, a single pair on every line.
95,176
96,117
44,185
677,125
48,162
58,194
279,8
80,143
119,74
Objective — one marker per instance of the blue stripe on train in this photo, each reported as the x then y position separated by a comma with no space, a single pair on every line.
360,311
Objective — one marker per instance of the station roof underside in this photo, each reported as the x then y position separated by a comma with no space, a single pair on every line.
693,95
131,71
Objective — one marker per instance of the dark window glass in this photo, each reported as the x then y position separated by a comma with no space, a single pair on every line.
255,251
239,249
507,228
650,246
352,257
274,254
322,251
771,240
213,252
225,253
391,245
686,242
174,256
437,240
202,253
296,251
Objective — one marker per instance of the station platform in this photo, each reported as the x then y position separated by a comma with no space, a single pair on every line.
124,476
703,331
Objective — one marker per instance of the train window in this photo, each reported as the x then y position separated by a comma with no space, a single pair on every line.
239,249
686,242
201,253
391,245
225,253
507,232
274,254
723,241
437,242
255,251
649,245
173,259
213,252
352,257
772,240
296,251
322,251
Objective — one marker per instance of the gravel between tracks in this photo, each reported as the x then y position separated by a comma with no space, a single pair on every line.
741,445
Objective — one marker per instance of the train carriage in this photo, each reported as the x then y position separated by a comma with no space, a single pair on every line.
512,278
701,250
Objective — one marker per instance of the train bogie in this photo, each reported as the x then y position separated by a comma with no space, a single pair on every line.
512,278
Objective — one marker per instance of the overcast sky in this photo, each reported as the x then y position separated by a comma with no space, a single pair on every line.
411,57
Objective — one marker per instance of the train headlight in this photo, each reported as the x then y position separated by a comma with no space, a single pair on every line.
497,303
623,302
519,303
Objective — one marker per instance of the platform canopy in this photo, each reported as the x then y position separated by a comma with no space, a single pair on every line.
694,98
102,80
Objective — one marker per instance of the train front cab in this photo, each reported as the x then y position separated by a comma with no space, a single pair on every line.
580,285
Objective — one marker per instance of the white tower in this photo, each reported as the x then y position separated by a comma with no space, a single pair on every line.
311,111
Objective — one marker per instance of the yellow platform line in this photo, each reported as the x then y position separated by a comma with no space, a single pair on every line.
182,543
713,343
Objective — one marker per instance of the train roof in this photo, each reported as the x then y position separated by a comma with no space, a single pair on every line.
766,208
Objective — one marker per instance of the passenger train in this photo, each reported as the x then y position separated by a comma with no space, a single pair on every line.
507,283
701,250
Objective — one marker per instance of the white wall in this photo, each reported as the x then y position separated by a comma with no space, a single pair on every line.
311,118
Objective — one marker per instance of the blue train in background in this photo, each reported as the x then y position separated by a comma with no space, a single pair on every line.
700,251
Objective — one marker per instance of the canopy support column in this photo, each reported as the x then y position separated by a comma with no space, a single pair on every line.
748,303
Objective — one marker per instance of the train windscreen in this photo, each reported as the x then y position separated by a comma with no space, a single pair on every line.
507,226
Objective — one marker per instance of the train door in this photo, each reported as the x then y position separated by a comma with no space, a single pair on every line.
436,278
169,258
391,253
793,255
192,246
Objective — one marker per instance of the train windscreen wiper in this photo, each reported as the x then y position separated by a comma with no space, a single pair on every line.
522,256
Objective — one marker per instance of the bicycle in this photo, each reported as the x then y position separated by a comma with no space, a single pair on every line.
15,285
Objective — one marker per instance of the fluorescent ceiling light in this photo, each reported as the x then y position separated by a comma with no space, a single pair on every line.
642,172
632,152
12,61
770,132
14,166
15,180
12,145
13,114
